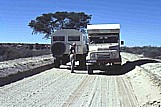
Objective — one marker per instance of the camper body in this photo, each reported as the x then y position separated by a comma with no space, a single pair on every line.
104,46
61,41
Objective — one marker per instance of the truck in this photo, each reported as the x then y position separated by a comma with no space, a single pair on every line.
104,46
61,40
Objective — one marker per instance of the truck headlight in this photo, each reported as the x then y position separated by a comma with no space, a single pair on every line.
113,55
92,56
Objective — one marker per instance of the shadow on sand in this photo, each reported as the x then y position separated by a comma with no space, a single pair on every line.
21,75
125,68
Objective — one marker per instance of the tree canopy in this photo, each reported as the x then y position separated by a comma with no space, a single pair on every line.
50,22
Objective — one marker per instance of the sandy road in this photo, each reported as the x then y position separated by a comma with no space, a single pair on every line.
60,88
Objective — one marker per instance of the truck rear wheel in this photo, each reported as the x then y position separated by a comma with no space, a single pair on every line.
90,69
57,63
82,62
65,59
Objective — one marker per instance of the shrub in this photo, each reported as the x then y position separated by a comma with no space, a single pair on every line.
147,51
10,53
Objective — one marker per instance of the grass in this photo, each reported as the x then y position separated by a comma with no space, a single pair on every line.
10,53
147,51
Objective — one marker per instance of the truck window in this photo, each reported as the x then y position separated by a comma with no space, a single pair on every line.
73,38
58,38
103,40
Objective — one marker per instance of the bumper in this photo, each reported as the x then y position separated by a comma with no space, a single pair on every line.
115,61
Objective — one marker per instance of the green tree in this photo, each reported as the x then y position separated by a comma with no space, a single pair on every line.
48,23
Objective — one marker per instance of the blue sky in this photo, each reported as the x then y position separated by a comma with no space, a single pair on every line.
140,19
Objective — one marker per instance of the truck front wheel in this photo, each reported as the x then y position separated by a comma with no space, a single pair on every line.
90,69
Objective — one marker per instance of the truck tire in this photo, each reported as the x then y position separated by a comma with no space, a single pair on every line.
58,49
65,59
90,69
57,63
82,62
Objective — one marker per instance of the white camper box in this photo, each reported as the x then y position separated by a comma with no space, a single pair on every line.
104,45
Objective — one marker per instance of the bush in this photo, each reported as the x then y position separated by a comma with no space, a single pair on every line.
10,53
147,51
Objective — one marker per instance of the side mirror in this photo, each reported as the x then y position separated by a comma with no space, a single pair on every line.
122,42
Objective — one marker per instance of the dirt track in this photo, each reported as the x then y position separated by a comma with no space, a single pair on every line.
60,88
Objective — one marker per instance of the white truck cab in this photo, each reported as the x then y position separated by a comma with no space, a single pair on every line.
104,45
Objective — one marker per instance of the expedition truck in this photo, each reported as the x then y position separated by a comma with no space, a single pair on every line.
104,46
61,40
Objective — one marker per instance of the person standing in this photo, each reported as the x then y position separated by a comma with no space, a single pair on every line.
73,56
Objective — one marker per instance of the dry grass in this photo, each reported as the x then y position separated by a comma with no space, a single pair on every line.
147,51
10,53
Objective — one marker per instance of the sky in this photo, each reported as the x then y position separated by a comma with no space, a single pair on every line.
140,19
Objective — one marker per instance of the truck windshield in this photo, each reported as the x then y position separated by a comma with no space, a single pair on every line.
99,40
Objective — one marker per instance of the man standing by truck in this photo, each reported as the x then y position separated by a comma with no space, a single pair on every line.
73,56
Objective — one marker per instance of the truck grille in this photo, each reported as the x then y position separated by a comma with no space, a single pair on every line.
103,56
